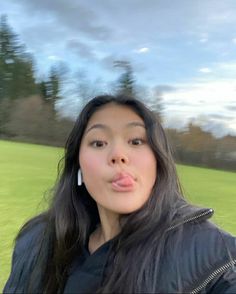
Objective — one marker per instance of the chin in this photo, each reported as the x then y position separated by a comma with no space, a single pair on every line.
126,209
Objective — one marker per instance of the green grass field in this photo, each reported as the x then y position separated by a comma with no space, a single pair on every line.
27,171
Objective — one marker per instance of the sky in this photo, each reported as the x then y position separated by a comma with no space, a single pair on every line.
183,50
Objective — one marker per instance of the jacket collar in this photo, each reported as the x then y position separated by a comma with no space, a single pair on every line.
188,213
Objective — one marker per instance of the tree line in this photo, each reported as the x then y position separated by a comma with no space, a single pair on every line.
17,77
28,109
195,146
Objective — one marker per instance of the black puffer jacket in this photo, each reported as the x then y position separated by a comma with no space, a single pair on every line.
203,262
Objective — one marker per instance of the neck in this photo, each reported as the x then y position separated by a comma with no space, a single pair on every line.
109,228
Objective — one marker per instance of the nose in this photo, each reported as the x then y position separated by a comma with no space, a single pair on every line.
118,156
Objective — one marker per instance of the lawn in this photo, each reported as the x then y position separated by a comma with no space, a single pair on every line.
214,189
27,171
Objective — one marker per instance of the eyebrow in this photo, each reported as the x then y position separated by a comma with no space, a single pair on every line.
105,127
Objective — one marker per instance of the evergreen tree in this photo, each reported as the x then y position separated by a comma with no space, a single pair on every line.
43,90
155,101
16,66
49,89
53,84
16,72
8,49
126,80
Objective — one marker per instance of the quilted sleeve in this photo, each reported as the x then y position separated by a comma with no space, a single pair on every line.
23,258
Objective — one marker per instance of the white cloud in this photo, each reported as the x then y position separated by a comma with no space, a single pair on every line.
210,92
205,70
142,50
234,40
213,97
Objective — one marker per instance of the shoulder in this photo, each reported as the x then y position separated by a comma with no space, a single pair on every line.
199,238
217,259
212,244
24,254
29,237
206,253
207,237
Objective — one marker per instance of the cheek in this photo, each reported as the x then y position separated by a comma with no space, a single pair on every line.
147,166
90,165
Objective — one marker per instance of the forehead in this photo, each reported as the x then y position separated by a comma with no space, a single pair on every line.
112,113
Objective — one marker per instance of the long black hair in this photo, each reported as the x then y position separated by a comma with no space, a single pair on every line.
73,214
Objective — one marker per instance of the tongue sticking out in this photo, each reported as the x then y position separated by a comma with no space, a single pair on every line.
124,182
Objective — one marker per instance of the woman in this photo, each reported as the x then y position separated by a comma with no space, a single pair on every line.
118,222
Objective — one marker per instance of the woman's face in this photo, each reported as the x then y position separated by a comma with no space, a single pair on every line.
117,164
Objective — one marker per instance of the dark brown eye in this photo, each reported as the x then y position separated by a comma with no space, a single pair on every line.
98,144
137,141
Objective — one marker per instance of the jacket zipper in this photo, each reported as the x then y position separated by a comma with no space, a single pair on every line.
209,211
221,269
218,271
